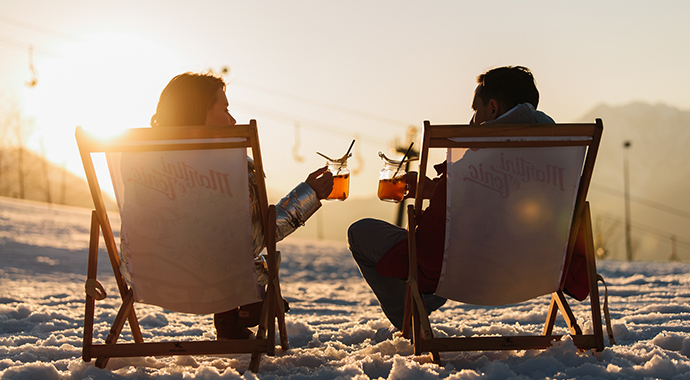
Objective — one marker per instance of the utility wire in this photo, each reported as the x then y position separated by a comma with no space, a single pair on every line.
645,228
22,46
318,103
18,45
40,29
642,201
303,122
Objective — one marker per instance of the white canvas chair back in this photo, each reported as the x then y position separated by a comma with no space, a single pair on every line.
515,206
186,235
508,219
183,197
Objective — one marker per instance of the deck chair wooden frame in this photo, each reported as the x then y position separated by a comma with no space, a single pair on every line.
416,322
176,138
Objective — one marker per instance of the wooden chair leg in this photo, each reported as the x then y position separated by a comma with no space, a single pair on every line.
421,312
567,313
122,286
266,328
280,315
416,332
435,357
101,362
421,327
90,301
551,316
254,362
407,314
260,334
271,326
134,326
592,277
123,314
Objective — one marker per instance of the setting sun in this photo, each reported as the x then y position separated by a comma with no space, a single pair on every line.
107,83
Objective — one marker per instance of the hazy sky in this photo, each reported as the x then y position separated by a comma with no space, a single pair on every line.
339,70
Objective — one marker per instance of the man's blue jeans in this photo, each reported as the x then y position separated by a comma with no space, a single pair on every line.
369,240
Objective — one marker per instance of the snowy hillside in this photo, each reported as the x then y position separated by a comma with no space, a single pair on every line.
331,324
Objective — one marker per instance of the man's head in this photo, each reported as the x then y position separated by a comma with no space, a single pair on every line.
501,89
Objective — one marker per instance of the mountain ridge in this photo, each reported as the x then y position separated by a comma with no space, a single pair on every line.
659,178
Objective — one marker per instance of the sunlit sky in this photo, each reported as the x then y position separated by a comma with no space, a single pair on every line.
337,70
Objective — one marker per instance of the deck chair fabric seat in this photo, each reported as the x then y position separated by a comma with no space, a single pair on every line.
183,198
183,216
515,203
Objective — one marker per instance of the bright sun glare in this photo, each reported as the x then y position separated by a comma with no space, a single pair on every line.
105,84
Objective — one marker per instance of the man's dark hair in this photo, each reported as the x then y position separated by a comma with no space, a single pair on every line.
509,86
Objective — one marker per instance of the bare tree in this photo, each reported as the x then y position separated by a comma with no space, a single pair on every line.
18,129
4,147
46,173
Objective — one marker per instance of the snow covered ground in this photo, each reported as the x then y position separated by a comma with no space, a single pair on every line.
331,325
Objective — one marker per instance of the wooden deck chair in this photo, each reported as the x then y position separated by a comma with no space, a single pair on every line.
515,204
184,204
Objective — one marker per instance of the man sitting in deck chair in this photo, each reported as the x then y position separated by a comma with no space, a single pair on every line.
192,99
504,95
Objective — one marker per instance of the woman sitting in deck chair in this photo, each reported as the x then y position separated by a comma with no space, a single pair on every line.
192,99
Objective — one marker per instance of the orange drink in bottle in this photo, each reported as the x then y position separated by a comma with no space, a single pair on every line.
392,189
392,185
341,187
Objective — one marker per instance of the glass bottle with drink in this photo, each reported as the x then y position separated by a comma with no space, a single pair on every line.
392,185
341,177
341,180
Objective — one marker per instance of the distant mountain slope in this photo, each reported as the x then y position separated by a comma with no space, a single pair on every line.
39,176
659,173
659,152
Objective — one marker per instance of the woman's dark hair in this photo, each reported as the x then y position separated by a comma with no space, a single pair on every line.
187,99
509,86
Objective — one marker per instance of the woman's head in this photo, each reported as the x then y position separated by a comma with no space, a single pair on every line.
191,99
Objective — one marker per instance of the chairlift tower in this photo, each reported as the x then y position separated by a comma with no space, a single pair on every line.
628,239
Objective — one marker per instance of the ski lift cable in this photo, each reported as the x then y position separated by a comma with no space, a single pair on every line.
318,103
40,29
642,201
645,228
22,46
303,122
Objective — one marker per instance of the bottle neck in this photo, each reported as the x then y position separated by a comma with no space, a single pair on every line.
338,168
387,165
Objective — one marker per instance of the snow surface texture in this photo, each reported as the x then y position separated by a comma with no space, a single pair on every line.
332,321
